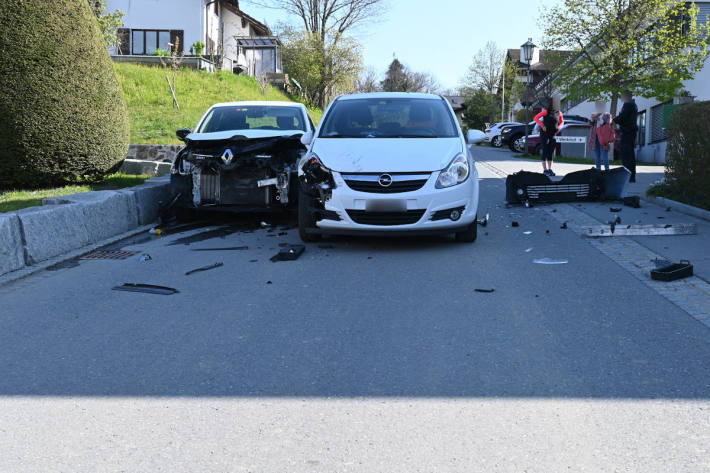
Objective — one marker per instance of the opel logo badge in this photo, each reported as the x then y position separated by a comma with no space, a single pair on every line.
385,180
227,157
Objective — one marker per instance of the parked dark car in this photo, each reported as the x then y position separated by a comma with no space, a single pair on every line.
514,136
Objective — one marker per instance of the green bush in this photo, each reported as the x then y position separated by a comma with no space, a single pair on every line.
62,112
688,154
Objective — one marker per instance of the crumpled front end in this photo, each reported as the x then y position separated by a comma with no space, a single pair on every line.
241,174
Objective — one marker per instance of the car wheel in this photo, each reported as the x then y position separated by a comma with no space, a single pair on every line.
512,142
470,234
305,218
496,142
519,145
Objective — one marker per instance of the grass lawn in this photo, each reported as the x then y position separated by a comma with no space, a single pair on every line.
150,105
15,200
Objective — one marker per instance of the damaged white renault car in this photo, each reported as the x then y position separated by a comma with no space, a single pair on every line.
388,163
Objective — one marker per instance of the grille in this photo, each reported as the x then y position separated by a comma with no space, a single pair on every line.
400,183
209,188
580,190
109,254
385,218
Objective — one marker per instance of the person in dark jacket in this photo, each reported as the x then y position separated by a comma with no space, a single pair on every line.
627,124
551,122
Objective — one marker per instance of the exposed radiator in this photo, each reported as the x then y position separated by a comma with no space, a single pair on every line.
209,188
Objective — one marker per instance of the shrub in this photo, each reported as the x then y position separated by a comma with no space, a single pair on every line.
688,153
62,113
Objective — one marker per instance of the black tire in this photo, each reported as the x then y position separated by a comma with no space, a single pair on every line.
496,142
511,142
470,234
305,219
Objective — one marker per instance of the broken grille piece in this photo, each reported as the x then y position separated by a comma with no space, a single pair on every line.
109,254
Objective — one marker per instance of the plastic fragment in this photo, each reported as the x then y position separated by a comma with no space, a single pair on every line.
514,224
204,268
156,231
528,250
264,224
485,291
146,257
615,209
289,253
146,288
564,226
527,232
550,261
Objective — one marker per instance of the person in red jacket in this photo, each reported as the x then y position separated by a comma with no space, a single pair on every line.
550,121
601,136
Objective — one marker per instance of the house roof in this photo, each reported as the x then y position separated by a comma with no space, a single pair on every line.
546,57
457,101
233,5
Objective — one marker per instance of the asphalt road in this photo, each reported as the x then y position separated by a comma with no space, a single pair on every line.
366,354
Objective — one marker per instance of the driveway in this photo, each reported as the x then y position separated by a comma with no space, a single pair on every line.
366,354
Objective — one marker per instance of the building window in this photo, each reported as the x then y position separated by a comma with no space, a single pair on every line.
658,133
641,122
146,42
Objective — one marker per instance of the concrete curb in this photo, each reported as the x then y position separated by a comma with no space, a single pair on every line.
138,167
31,237
680,207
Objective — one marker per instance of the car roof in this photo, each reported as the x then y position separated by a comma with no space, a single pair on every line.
265,103
390,95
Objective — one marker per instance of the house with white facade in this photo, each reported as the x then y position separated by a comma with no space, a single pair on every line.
232,39
653,114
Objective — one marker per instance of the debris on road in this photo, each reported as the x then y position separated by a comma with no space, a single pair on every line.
484,221
264,225
528,232
515,224
632,201
673,272
550,261
485,291
326,247
156,231
289,253
269,282
615,209
563,226
109,254
528,250
146,257
640,230
225,248
204,268
146,288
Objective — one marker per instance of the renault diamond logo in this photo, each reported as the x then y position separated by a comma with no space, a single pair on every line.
227,157
385,180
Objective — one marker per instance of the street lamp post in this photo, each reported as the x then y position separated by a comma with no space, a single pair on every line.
494,91
527,49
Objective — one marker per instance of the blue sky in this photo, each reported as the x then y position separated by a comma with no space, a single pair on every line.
439,36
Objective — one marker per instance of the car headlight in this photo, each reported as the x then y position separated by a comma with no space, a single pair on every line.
309,159
455,173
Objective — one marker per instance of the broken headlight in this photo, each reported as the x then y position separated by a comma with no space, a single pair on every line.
312,169
455,173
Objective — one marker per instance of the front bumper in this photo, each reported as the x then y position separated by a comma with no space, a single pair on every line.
349,205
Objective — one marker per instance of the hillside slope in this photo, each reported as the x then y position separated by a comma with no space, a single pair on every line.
152,116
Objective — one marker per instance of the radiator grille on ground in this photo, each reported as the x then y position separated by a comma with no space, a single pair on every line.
399,183
109,254
364,217
580,190
209,188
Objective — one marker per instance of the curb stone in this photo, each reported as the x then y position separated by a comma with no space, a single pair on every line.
11,253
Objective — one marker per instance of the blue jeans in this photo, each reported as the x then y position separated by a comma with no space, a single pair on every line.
600,154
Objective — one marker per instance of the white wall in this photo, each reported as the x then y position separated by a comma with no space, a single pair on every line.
186,15
232,26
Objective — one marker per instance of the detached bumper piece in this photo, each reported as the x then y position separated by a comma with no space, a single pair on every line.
673,272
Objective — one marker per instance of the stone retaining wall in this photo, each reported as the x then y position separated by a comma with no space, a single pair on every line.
153,152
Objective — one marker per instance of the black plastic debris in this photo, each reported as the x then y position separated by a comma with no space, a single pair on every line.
673,272
146,288
554,210
369,257
632,201
253,260
485,291
326,247
615,209
225,248
283,233
660,218
668,209
547,231
204,268
515,224
289,253
269,282
563,226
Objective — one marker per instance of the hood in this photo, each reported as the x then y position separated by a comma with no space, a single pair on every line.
378,155
225,135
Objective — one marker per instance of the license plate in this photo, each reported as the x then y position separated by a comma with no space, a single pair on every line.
388,205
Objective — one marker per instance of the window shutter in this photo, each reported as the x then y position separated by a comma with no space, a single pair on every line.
178,35
124,41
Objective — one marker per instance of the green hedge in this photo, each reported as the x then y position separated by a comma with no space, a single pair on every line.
62,112
688,154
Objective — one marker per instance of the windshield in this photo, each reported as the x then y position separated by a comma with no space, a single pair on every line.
252,117
389,118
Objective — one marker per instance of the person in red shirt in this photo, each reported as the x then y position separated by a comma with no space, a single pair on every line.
601,136
550,121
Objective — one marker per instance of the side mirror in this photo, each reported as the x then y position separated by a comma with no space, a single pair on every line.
307,138
473,137
182,134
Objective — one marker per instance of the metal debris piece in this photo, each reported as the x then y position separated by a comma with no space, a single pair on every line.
485,291
109,254
290,253
146,288
550,261
204,268
484,221
640,230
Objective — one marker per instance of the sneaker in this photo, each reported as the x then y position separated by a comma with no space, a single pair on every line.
546,172
552,173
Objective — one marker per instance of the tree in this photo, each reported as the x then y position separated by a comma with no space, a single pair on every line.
62,112
646,46
478,108
322,73
325,23
399,78
109,23
485,73
368,82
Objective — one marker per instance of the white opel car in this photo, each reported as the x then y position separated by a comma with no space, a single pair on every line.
388,163
493,133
